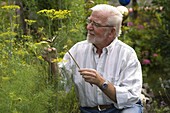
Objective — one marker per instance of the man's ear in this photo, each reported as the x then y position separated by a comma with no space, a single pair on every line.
113,32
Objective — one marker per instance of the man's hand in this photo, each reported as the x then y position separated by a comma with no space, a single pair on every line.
92,76
49,54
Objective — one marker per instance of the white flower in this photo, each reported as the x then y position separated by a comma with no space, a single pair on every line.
123,10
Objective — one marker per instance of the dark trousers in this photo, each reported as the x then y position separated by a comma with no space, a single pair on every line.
136,108
110,110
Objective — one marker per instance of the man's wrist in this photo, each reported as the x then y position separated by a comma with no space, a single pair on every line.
104,85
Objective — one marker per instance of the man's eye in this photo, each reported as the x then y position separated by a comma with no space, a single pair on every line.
96,24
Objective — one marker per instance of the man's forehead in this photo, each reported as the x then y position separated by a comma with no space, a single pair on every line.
101,15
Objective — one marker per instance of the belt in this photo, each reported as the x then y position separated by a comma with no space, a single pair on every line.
101,107
105,107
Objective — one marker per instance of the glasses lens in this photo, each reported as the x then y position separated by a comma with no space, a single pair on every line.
95,24
88,21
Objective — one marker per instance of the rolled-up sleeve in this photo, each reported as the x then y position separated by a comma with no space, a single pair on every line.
129,86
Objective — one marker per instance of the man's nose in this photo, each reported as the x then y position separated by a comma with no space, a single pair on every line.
90,26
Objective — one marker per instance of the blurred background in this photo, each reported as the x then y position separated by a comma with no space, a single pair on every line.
27,27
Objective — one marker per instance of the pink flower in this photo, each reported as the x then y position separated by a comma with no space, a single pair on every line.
140,27
130,10
130,24
146,61
155,55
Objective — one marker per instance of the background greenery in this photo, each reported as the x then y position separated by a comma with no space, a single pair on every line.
26,27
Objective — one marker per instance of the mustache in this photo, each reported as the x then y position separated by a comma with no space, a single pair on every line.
90,33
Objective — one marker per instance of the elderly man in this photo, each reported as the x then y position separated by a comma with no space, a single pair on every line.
108,78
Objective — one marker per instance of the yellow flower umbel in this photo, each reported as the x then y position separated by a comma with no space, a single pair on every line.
10,7
30,22
53,14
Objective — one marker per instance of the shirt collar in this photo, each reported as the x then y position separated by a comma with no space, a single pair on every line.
108,49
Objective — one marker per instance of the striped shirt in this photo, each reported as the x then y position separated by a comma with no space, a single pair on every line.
118,64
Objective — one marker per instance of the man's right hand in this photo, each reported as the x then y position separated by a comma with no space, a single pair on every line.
49,54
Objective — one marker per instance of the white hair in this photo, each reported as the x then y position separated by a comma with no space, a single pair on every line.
114,16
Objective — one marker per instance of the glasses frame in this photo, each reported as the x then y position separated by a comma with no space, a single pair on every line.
93,23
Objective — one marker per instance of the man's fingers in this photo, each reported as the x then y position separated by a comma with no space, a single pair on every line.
54,49
88,74
50,49
49,54
86,69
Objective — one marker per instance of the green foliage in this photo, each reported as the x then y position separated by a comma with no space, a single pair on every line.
159,109
65,106
148,34
26,85
23,90
161,39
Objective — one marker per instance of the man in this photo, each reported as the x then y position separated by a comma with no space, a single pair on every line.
109,79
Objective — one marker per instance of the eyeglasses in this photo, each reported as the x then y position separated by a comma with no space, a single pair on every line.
93,23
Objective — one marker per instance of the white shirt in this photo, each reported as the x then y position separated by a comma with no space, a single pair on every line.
118,64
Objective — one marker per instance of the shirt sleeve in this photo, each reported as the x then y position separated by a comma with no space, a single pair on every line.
130,83
66,68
